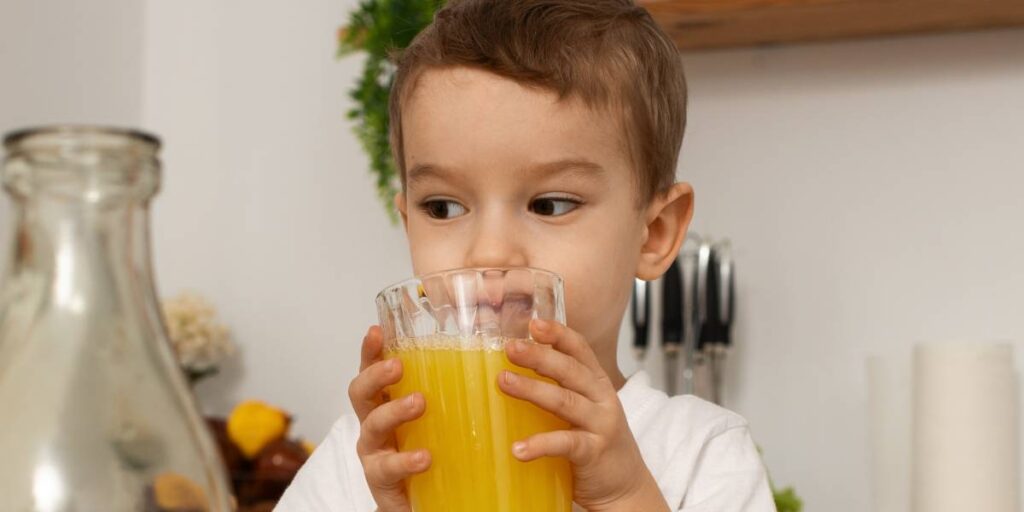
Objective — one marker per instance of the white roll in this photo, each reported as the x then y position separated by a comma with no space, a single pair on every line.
965,428
888,394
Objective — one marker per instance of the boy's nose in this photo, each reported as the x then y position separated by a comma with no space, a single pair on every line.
496,247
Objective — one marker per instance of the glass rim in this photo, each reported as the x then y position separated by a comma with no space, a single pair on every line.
19,136
478,270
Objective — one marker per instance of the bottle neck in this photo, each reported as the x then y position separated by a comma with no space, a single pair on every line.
75,253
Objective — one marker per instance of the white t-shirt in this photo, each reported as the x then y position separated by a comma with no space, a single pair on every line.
701,455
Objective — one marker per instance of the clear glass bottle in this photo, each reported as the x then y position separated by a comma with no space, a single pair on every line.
95,415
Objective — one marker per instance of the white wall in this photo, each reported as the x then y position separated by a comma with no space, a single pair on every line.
870,189
66,62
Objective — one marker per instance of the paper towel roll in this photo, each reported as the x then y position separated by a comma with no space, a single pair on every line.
965,428
888,393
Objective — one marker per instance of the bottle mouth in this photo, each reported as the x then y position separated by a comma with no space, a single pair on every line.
94,164
100,137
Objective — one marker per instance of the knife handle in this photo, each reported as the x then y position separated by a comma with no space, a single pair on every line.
641,309
710,325
672,303
727,291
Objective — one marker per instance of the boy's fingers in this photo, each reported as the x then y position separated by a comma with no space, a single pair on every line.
565,340
364,390
573,445
373,342
389,469
377,430
386,472
566,370
391,499
564,403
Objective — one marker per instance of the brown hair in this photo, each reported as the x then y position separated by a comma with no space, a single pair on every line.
609,53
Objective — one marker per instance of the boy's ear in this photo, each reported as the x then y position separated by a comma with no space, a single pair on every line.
403,209
666,220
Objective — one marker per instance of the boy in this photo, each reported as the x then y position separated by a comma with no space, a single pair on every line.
545,133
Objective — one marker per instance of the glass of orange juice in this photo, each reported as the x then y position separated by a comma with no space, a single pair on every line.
449,330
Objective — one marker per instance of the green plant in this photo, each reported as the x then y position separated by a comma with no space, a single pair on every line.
379,28
786,500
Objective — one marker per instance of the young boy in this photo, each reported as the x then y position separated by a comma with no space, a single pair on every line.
545,133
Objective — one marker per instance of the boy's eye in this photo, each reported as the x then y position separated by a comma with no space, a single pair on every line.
553,206
443,209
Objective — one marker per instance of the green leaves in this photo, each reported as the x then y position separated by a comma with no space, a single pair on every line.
786,500
378,28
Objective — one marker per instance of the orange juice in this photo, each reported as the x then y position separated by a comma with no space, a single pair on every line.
469,427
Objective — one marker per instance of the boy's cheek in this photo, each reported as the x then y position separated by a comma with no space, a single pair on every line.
433,252
428,263
598,287
593,309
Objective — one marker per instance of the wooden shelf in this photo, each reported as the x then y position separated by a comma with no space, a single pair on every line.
696,24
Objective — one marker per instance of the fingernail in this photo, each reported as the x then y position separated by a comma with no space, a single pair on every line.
510,377
519,449
541,325
390,365
409,401
419,457
518,347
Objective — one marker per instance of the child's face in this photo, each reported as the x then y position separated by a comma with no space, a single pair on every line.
502,175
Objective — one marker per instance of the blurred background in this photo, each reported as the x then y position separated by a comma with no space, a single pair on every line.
871,189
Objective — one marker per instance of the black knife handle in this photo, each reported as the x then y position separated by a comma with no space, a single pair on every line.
641,309
672,303
711,327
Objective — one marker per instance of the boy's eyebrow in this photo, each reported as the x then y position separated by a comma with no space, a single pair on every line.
568,165
421,172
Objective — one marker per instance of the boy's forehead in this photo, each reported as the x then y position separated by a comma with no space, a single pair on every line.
477,94
472,117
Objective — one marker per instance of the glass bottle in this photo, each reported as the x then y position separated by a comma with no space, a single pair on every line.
95,415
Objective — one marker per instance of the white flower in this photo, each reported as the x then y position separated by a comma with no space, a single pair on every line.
200,342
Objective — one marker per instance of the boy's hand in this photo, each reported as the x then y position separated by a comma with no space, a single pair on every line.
384,466
608,471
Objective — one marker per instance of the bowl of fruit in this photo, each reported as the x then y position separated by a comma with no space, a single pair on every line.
261,457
